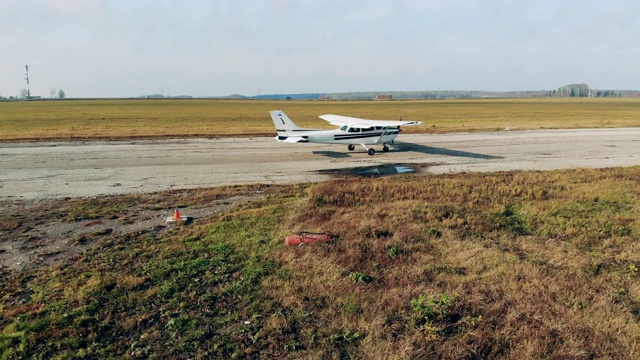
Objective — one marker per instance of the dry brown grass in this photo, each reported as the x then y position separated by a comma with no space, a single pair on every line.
117,119
524,282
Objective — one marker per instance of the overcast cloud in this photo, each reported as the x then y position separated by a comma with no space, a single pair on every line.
118,48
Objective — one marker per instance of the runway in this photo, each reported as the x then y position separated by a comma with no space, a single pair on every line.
53,170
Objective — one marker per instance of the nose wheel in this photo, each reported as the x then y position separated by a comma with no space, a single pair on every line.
385,148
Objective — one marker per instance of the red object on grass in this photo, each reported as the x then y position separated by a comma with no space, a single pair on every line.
307,238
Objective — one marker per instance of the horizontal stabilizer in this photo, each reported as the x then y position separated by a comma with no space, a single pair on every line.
292,139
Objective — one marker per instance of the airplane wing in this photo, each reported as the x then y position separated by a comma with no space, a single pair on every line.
363,123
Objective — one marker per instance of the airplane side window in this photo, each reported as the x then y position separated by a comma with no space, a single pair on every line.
354,129
368,129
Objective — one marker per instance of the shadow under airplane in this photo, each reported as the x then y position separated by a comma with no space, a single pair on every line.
332,154
400,146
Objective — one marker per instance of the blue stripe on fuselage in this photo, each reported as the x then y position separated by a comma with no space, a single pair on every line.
362,136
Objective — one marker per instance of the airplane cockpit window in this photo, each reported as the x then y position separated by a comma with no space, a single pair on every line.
354,129
344,128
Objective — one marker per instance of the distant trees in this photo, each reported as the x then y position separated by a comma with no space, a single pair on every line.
574,90
609,93
583,90
24,95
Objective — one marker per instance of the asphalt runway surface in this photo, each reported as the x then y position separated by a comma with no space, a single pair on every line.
60,169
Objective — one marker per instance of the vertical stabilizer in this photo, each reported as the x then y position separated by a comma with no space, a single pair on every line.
283,124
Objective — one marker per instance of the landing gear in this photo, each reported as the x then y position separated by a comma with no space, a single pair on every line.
351,147
369,151
385,148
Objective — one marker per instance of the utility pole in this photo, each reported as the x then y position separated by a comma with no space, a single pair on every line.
28,90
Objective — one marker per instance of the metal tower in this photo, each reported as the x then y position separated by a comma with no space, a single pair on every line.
28,89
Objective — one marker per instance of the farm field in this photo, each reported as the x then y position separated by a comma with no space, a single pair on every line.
125,119
509,265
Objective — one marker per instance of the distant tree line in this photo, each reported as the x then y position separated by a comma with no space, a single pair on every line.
583,90
24,95
616,93
571,90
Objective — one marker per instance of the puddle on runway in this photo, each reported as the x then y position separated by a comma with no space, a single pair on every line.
376,171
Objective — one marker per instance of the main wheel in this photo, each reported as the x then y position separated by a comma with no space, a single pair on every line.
385,148
351,147
371,151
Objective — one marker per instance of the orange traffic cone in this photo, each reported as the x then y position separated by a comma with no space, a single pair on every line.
177,217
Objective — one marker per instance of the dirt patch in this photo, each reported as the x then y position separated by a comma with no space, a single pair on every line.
49,232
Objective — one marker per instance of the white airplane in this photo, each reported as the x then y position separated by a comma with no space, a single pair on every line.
352,131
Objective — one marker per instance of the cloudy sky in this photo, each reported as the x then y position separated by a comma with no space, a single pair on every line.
123,48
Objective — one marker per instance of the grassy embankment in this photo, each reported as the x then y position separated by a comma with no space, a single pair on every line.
510,265
115,119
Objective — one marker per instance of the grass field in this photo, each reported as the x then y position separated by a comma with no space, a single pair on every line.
519,265
117,119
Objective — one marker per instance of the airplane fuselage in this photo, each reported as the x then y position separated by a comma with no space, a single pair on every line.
347,135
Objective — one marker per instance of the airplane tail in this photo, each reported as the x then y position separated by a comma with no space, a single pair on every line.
284,125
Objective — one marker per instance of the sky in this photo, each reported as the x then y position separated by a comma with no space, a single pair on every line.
128,48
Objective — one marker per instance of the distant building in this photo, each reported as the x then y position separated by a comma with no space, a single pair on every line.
384,97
